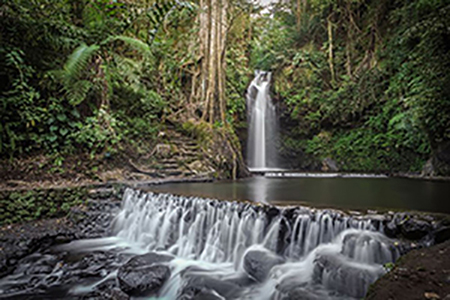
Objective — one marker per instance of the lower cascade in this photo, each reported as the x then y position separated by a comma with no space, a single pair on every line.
236,250
175,247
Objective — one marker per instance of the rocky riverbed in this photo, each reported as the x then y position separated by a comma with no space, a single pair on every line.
42,260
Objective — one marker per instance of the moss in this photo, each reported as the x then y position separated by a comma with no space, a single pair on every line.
20,206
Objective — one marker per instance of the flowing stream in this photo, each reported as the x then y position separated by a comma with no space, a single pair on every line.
262,134
213,249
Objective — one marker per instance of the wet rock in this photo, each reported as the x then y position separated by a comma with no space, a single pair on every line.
36,264
441,159
195,293
368,247
329,165
272,212
114,294
147,260
442,234
304,294
199,286
201,283
144,274
242,280
143,281
258,263
414,229
335,272
428,169
391,228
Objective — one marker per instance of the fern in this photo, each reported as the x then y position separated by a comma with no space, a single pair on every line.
161,9
77,92
78,61
132,42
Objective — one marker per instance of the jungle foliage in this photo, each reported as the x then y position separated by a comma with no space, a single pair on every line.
363,82
86,74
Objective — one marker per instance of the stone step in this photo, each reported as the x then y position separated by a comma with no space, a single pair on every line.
186,154
170,166
173,173
168,161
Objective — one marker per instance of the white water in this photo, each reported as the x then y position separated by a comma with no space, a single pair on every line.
262,134
325,255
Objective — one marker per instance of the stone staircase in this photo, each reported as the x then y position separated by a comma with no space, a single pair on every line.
175,155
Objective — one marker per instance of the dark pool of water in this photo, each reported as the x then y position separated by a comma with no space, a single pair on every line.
347,193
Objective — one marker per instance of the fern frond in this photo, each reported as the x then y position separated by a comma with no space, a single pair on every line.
77,92
78,61
161,9
132,42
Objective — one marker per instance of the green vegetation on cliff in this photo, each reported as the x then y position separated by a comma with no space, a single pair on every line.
365,83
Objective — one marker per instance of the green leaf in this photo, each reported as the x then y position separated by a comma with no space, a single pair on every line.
63,131
52,138
62,117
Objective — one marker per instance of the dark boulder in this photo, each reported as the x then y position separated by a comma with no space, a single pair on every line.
36,264
199,283
148,259
335,273
258,263
114,294
304,294
143,281
414,229
442,234
196,293
143,275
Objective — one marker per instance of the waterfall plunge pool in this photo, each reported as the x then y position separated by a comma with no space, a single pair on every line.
358,192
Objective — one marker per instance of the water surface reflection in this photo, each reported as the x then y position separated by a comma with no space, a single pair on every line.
356,193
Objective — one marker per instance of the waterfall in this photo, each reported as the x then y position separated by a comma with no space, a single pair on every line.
281,252
262,133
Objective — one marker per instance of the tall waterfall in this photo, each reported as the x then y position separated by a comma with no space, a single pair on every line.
262,133
260,252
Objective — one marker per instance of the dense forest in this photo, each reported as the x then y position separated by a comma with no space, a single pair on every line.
362,82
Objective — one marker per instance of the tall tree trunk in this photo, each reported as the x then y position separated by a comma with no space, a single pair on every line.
209,90
299,12
212,36
330,48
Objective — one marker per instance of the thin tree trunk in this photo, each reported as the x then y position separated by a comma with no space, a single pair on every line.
330,49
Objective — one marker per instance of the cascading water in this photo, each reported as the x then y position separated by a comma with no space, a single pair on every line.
262,133
198,248
322,254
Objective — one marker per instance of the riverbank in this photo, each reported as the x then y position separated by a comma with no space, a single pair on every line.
420,274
